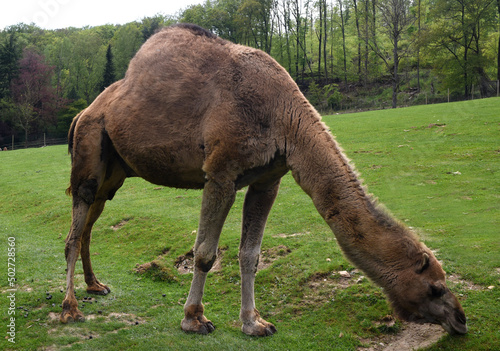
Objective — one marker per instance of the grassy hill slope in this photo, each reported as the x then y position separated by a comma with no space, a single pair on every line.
436,167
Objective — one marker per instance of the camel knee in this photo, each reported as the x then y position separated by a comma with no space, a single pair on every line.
204,259
204,263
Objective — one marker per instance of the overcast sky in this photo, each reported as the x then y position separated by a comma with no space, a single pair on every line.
53,14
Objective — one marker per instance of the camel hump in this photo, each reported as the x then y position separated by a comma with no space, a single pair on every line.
195,29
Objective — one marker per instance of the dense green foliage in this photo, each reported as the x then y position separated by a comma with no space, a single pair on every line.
436,167
343,53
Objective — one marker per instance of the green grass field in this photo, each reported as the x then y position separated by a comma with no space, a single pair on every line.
434,167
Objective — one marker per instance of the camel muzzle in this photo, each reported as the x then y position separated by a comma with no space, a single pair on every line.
453,319
456,324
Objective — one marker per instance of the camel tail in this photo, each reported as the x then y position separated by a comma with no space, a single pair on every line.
71,135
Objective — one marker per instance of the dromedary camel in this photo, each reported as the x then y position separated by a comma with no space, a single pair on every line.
195,111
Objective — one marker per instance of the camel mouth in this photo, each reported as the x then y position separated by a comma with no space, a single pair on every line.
450,326
456,324
454,328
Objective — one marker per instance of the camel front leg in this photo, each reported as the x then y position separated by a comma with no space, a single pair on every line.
217,200
258,203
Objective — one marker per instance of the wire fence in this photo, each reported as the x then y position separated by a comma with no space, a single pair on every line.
486,90
16,143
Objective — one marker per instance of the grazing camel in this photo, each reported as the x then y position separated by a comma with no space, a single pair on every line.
195,111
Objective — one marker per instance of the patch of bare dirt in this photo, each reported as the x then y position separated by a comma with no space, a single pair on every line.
84,333
120,224
267,257
454,280
284,236
414,336
324,285
53,317
21,288
439,126
127,318
411,337
185,263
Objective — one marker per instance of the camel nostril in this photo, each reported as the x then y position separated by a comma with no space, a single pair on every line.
460,316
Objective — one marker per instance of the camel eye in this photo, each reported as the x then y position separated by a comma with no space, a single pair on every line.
437,291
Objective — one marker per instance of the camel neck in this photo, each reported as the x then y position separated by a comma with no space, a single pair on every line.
368,236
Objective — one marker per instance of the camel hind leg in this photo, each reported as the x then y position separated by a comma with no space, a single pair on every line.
95,177
93,285
106,192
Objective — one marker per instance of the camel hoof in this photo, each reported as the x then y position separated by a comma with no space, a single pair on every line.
254,325
271,329
198,327
71,316
259,329
98,289
206,328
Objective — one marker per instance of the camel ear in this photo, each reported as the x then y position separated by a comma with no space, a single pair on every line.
424,264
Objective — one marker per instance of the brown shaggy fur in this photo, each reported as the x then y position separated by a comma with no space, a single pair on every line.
196,111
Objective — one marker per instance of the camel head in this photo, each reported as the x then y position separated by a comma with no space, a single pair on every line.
420,295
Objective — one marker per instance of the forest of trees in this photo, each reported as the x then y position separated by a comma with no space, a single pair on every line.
344,54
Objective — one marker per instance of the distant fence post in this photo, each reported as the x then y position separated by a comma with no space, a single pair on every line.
498,87
448,94
472,94
12,141
44,143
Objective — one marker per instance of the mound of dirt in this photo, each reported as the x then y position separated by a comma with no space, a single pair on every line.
185,263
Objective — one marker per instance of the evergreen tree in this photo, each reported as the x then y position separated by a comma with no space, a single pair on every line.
109,70
10,54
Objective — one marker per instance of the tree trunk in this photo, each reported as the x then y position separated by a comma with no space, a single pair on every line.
286,20
365,76
325,22
297,33
466,49
320,37
418,47
498,55
356,13
343,39
395,83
